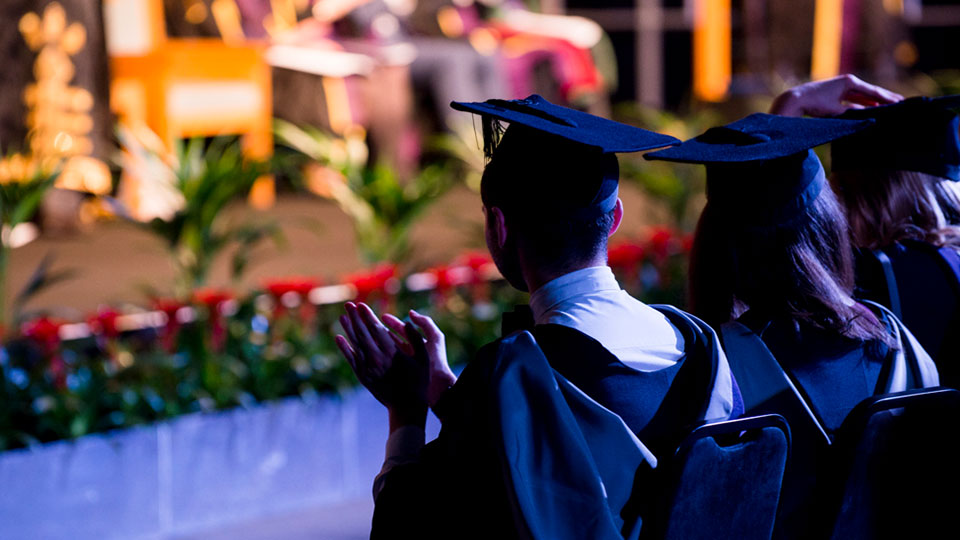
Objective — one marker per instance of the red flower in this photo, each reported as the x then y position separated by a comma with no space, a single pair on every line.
625,256
443,276
169,307
104,322
212,298
382,279
479,262
300,285
44,331
662,242
476,260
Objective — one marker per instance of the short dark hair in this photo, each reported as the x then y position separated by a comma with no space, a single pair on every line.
543,184
563,244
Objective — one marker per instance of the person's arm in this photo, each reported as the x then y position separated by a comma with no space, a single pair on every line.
831,97
404,370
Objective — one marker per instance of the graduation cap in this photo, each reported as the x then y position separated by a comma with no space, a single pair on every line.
761,170
553,160
918,134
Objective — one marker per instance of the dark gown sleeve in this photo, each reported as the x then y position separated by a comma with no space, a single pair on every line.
455,488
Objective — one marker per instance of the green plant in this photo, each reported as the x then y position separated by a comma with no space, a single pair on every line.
382,207
465,147
208,177
23,183
679,187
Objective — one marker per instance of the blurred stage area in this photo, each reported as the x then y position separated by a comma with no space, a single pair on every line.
113,262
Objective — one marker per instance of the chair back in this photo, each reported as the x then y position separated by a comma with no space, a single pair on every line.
724,481
897,474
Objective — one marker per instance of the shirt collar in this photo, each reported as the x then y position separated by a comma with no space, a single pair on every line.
568,286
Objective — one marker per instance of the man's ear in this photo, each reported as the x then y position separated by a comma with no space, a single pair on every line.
617,217
499,224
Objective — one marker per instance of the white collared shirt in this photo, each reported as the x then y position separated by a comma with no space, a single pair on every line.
591,301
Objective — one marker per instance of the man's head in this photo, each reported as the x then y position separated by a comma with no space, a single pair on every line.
550,188
548,201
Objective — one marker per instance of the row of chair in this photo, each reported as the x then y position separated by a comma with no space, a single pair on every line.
890,472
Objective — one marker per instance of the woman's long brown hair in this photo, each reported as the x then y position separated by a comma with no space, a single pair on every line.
802,270
885,207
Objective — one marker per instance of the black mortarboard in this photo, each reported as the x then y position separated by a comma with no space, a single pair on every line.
553,159
761,170
918,134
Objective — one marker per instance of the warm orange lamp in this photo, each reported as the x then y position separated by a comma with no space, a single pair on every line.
711,49
827,36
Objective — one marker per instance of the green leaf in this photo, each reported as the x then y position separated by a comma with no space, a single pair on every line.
26,206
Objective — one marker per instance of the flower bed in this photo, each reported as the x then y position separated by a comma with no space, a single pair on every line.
119,369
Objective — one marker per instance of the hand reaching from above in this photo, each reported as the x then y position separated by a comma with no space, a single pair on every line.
831,97
394,369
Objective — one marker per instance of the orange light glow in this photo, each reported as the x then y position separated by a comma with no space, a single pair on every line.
711,49
827,35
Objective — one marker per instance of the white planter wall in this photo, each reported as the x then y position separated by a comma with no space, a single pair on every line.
195,472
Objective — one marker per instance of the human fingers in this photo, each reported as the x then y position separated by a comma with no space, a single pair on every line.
859,91
398,334
365,342
435,341
348,328
346,350
377,330
429,328
394,323
441,377
416,341
355,361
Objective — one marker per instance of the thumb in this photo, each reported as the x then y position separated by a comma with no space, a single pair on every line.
427,326
416,340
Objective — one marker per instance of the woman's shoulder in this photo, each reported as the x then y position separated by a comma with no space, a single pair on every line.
800,342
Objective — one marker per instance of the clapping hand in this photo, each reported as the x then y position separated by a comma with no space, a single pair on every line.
405,370
831,97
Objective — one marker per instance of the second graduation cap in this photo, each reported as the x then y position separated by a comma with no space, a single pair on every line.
917,134
761,170
554,160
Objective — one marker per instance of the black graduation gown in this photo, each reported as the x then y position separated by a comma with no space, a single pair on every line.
456,487
832,374
926,283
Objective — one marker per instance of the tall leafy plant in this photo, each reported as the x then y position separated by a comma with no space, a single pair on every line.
383,208
209,176
23,183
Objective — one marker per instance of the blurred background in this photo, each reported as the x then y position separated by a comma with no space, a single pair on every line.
189,189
